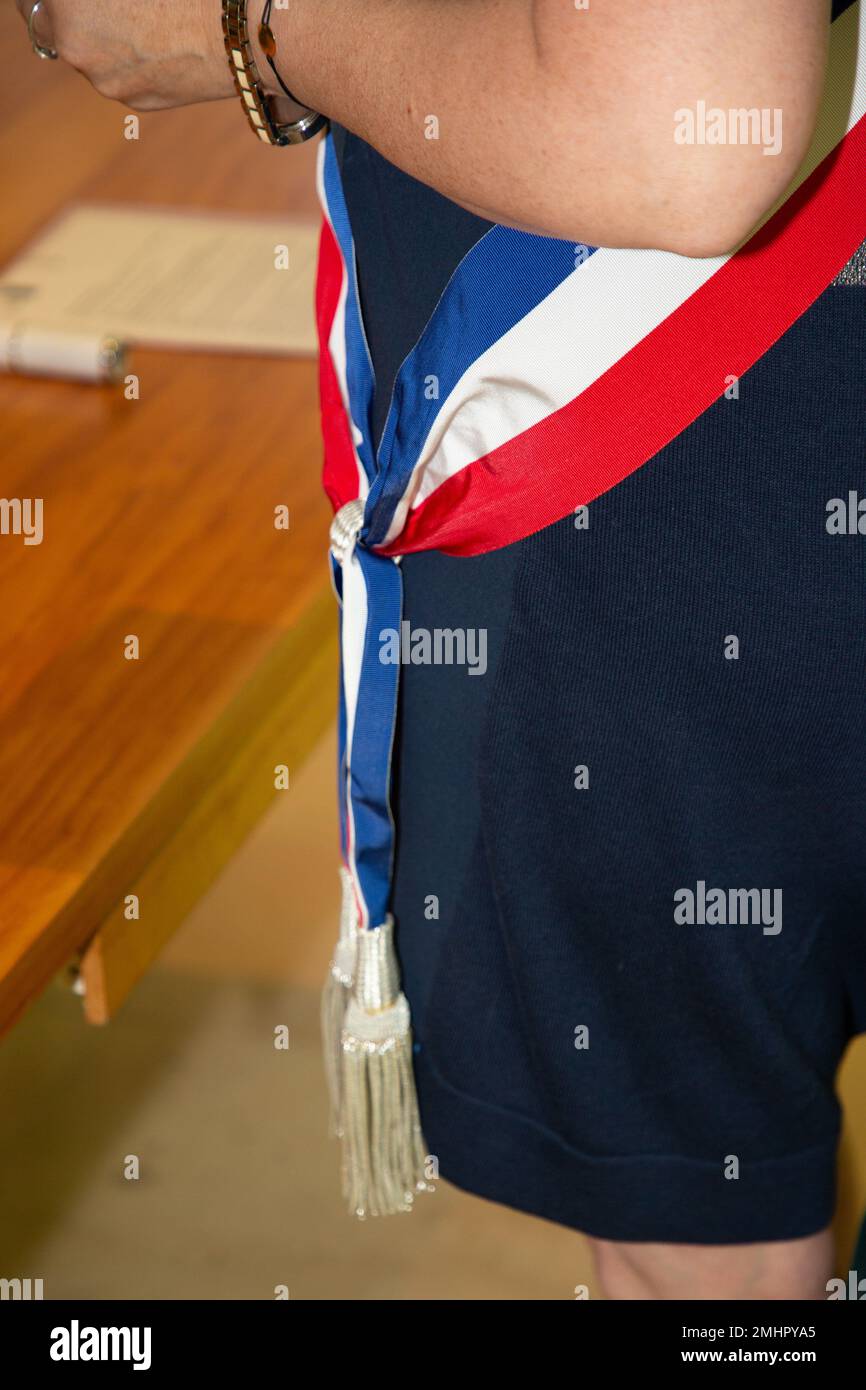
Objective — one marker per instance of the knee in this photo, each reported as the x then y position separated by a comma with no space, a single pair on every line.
797,1269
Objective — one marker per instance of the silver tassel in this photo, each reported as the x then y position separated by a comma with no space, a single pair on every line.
335,998
383,1150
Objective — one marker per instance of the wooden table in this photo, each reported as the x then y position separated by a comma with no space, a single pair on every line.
140,777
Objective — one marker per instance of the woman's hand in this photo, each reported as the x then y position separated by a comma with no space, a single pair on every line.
147,54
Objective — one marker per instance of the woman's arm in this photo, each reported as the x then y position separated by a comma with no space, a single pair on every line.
554,118
562,120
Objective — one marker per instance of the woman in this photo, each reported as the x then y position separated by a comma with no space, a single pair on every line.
671,712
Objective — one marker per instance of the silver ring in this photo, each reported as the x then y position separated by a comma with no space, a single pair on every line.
39,49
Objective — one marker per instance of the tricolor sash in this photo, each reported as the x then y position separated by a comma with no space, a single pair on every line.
547,373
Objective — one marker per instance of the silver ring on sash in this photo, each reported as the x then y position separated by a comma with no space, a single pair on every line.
38,48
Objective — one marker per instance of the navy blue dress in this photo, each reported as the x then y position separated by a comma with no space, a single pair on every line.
581,1054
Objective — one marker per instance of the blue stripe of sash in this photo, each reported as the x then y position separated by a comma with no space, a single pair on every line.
504,277
337,582
370,775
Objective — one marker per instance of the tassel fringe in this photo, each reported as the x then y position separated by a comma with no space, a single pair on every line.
367,1040
335,999
383,1151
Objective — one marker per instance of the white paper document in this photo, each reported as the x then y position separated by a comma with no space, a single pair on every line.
208,281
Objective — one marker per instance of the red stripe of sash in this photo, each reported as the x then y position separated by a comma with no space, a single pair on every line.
340,474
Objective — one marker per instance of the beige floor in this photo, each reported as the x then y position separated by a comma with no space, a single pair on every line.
238,1187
